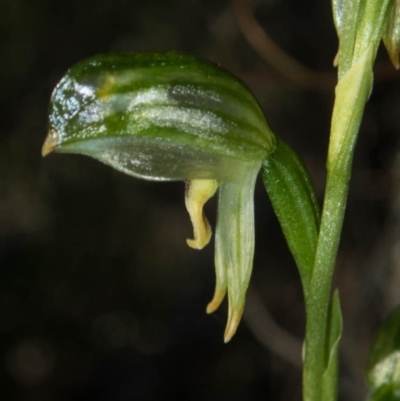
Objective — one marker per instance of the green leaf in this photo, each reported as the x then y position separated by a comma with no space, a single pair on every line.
337,9
360,25
335,328
391,37
383,368
375,15
353,91
161,116
387,392
346,17
294,201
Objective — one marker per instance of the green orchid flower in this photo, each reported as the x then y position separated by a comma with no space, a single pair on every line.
171,116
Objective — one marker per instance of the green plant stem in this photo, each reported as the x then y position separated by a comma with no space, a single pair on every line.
319,299
351,95
358,48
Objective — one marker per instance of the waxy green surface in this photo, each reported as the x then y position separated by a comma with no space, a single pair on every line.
148,113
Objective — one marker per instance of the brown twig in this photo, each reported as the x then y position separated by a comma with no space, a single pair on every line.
274,55
292,69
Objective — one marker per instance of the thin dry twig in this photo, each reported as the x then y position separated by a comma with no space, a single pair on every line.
274,55
268,333
292,69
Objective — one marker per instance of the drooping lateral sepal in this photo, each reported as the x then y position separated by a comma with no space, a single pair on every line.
234,247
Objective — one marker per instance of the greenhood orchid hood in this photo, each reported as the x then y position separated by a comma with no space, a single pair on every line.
171,116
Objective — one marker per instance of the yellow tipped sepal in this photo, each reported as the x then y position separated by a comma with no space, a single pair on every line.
198,192
234,247
50,143
215,303
234,318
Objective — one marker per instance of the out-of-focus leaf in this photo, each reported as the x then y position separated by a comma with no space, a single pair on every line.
391,37
387,392
383,368
337,8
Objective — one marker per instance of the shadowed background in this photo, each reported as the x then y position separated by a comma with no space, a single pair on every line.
100,298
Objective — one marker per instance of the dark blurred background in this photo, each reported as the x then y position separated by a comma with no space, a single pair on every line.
100,298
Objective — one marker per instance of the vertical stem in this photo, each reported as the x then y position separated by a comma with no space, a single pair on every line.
357,54
318,303
352,93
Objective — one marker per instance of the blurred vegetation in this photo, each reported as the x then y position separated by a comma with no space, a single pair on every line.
100,298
